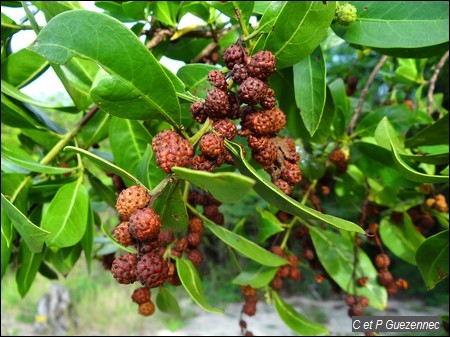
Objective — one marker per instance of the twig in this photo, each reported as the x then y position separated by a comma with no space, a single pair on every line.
433,80
205,52
158,36
364,93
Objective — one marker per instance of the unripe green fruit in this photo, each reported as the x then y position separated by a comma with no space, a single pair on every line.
345,14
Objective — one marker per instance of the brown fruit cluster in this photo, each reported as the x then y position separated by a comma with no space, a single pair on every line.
385,278
141,228
250,300
338,158
253,102
438,203
210,206
291,271
248,308
356,304
141,296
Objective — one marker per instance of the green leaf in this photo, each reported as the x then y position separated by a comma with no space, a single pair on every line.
298,323
432,259
46,271
29,263
336,253
64,259
436,158
408,71
22,67
342,103
281,81
114,241
136,87
167,302
87,242
298,29
7,230
6,254
33,235
67,215
53,8
227,187
397,25
255,275
268,225
350,192
310,89
106,193
400,117
323,131
434,134
17,186
413,175
147,171
22,159
166,12
7,32
171,208
15,93
401,239
104,164
77,76
385,135
96,129
128,139
18,116
261,6
195,77
273,195
377,163
229,8
244,246
193,285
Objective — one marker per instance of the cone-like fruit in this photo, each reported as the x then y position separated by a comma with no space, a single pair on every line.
146,309
171,150
141,295
144,224
151,270
131,199
123,268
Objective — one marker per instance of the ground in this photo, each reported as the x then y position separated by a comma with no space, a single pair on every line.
332,313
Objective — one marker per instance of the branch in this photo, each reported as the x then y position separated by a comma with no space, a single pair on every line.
364,93
433,80
156,36
205,52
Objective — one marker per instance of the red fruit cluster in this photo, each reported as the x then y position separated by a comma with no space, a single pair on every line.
291,270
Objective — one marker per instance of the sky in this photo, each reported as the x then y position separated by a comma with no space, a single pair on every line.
48,84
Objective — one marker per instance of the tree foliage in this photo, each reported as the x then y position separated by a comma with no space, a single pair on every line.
364,104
